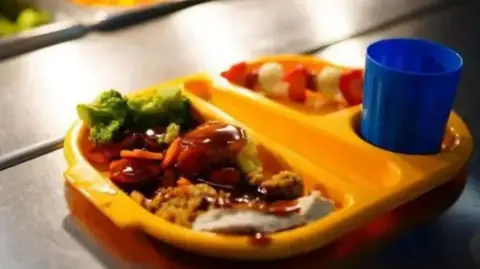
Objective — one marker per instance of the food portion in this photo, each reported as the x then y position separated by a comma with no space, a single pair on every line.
17,16
117,3
205,175
301,84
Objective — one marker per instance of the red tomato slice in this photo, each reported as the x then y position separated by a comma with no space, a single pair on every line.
297,80
237,73
251,79
351,86
311,83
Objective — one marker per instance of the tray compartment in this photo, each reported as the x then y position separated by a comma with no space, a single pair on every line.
127,214
317,144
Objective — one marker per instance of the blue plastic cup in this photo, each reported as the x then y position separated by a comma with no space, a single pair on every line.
409,90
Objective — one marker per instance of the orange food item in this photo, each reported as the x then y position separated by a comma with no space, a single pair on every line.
183,182
172,153
94,155
141,154
118,163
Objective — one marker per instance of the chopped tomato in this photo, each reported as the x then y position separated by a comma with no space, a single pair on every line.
351,86
311,83
297,80
237,73
251,79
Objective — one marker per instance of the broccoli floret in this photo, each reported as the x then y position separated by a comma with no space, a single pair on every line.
248,158
105,116
110,112
159,107
104,133
171,133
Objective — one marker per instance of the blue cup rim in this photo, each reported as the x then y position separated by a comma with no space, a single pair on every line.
455,69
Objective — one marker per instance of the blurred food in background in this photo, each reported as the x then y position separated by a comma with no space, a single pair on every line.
17,16
118,3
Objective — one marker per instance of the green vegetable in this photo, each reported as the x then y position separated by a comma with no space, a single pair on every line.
111,112
6,27
248,158
11,8
30,18
171,133
160,107
17,16
105,116
105,132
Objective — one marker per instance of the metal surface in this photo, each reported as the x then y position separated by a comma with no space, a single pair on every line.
35,230
40,37
49,82
30,152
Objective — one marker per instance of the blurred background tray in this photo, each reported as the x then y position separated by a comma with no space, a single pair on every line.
105,18
56,32
71,21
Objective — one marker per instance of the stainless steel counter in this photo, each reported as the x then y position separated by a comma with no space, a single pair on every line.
36,230
34,222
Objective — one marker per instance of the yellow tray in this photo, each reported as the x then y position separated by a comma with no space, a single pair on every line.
364,181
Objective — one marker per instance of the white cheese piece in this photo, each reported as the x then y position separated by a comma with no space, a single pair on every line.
270,78
312,207
328,81
278,90
339,98
315,102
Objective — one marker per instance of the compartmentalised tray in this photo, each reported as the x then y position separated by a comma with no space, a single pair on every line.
324,148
